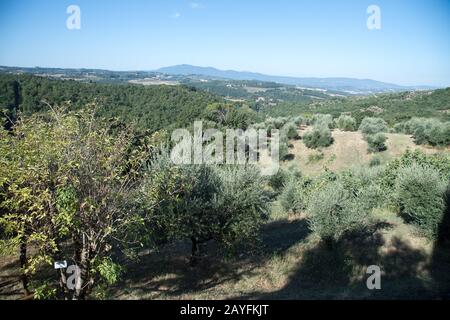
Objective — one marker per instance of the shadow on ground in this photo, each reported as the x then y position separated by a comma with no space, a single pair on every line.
168,273
340,273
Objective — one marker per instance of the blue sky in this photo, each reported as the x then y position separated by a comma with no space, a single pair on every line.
322,38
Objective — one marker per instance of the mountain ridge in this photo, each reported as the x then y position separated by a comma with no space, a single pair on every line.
327,83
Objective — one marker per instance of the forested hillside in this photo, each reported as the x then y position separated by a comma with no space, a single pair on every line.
151,108
393,108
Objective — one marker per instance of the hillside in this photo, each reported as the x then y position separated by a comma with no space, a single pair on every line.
151,108
349,149
348,85
393,107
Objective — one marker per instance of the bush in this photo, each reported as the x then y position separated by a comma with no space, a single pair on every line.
377,142
319,137
278,181
419,192
371,126
314,158
334,211
290,131
298,120
346,123
323,120
375,161
293,199
227,205
426,131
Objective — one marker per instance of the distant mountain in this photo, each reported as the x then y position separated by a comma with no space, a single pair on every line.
340,84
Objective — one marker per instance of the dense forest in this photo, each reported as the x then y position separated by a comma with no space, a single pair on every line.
150,108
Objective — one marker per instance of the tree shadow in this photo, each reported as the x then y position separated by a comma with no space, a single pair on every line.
341,272
440,264
167,272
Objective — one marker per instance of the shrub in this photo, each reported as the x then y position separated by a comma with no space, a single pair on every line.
227,205
323,120
319,137
298,120
419,192
278,181
346,123
293,199
370,126
375,161
334,211
377,142
426,131
290,131
313,158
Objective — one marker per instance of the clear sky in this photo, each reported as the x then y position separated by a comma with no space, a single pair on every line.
321,38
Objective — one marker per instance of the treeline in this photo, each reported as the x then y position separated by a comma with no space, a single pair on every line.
150,108
393,108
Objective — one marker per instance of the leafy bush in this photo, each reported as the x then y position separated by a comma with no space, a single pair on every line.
318,137
293,199
298,120
278,181
371,126
377,142
375,161
290,131
334,211
323,120
227,205
346,123
426,131
419,194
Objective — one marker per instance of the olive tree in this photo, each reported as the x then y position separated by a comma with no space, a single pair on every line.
227,205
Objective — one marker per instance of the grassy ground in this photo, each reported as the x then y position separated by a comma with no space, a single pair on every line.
292,264
349,149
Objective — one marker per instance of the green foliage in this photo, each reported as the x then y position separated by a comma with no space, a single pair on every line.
334,211
377,142
346,123
318,137
375,161
427,131
290,131
109,271
419,194
278,180
44,291
68,187
223,204
294,197
323,120
392,107
231,116
151,108
372,126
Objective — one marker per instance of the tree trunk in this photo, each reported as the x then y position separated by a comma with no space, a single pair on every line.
23,263
195,250
86,277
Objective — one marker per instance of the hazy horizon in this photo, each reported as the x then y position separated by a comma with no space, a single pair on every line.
329,39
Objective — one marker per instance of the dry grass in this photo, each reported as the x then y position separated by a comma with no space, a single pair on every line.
349,149
290,263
